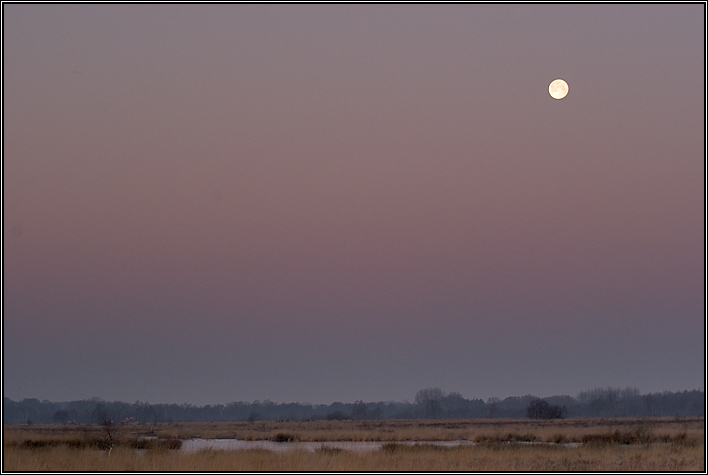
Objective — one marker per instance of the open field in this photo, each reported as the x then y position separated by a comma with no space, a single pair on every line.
667,444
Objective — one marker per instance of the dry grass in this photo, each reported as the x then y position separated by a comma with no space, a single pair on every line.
563,430
668,457
604,445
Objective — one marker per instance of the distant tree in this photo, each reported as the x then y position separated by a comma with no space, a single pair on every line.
430,402
337,416
601,401
360,411
100,414
428,394
492,407
60,417
513,406
145,413
540,409
433,409
568,403
377,413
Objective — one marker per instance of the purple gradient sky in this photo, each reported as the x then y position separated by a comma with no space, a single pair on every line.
208,204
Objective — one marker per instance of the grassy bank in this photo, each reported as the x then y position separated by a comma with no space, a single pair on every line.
572,444
669,457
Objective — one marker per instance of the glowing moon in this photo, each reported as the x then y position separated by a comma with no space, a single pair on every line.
558,89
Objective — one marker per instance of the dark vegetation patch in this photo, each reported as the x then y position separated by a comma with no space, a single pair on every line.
509,437
100,444
283,437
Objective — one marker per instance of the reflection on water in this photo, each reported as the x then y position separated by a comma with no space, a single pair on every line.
193,445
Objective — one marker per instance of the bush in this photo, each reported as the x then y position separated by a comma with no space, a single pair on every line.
282,437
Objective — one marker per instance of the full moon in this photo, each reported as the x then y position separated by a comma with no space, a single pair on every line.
558,89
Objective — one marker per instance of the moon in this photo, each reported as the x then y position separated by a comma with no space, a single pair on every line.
558,89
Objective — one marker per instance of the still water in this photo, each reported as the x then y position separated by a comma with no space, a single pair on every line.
193,445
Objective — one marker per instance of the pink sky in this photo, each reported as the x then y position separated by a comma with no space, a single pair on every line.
315,203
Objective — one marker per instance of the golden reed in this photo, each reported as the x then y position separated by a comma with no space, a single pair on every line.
665,444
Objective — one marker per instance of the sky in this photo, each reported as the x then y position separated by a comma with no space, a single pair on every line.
315,203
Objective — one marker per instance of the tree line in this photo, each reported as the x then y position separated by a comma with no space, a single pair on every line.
429,403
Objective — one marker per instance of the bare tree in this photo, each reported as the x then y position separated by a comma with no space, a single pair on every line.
109,429
430,401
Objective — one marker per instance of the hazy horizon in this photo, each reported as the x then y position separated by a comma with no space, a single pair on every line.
304,203
409,400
